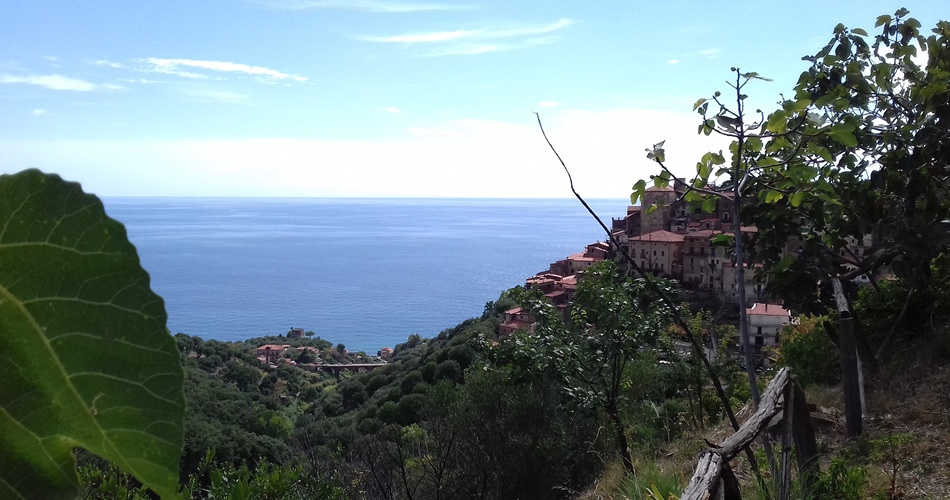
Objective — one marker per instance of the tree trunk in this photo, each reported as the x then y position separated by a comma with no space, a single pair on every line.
850,366
622,445
740,296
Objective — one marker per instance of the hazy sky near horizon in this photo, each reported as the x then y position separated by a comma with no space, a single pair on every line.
386,98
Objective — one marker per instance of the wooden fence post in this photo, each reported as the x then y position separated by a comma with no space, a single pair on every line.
806,447
788,412
713,477
850,378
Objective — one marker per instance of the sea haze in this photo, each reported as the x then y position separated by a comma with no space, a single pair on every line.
363,272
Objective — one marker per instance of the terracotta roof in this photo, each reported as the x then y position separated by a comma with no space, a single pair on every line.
659,236
705,233
540,279
272,347
516,310
767,310
579,257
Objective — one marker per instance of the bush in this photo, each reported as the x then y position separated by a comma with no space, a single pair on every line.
842,481
449,369
809,353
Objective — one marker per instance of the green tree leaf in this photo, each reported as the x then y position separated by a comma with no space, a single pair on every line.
85,357
773,196
844,134
776,123
796,198
638,190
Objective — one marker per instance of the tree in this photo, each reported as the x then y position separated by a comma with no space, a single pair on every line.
741,172
871,157
307,355
860,151
613,316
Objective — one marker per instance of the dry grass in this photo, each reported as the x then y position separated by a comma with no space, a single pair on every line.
607,486
909,396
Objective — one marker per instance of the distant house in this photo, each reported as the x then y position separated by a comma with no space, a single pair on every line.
385,353
696,250
515,319
271,353
765,322
296,333
660,251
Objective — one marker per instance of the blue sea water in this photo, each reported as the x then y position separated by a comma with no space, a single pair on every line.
363,272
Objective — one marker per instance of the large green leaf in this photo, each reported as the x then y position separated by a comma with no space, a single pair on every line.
85,358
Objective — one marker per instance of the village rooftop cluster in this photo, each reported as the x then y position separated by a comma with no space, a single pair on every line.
677,241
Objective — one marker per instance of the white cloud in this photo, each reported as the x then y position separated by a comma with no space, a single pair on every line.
477,41
55,82
390,109
39,112
438,36
224,96
361,5
137,80
171,67
673,61
110,64
463,158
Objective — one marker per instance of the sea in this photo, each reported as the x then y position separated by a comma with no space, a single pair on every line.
366,273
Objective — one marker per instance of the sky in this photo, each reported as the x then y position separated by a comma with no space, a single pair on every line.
373,98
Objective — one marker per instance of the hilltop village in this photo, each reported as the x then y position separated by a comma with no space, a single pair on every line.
678,242
674,241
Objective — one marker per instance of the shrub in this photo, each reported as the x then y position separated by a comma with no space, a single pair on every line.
842,481
809,353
